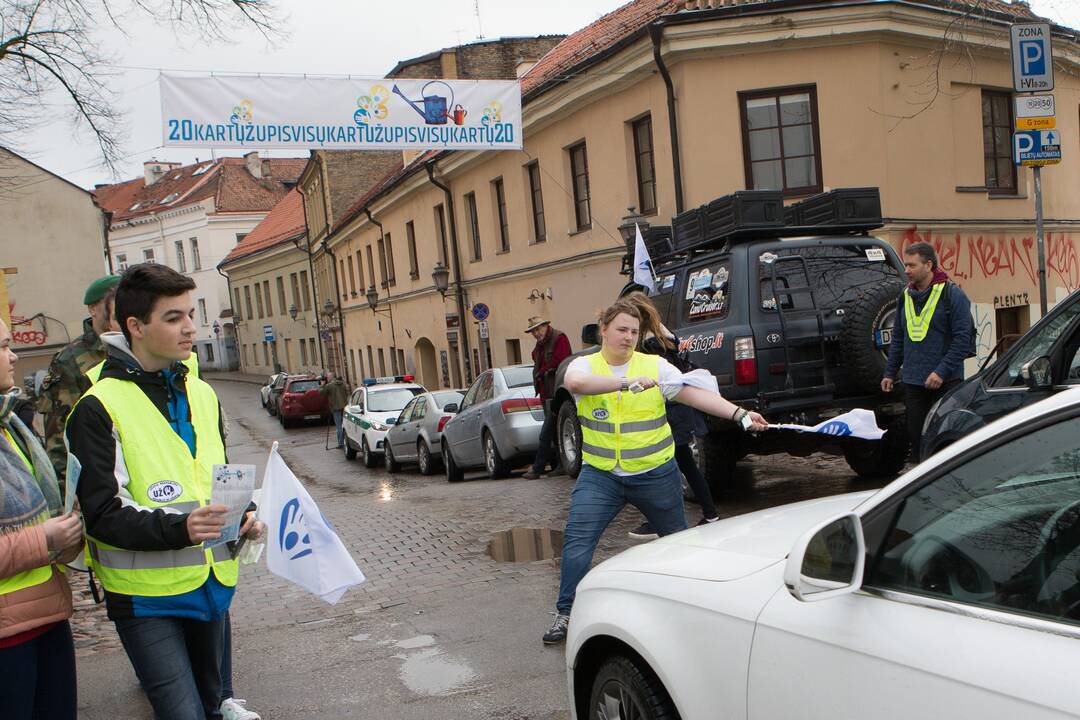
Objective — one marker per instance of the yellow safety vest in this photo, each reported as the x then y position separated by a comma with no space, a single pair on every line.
919,324
39,575
624,428
192,363
162,474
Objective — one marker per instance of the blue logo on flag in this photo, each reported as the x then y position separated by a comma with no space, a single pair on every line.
293,531
836,427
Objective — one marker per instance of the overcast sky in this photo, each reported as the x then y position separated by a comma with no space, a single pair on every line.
323,37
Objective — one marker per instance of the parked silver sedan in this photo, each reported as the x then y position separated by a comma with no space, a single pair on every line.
416,437
497,426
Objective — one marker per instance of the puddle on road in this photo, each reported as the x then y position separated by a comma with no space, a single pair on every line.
525,545
428,672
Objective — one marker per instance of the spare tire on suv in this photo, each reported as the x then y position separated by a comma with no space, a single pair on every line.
873,312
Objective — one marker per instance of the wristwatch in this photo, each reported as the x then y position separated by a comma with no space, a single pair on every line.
624,385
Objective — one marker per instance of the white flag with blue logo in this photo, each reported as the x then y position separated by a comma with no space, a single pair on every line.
301,545
856,423
643,267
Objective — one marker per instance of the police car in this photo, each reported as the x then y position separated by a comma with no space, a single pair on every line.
373,408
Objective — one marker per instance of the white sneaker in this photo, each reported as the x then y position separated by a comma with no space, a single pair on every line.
233,709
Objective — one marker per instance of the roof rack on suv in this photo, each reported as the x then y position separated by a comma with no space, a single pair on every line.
760,214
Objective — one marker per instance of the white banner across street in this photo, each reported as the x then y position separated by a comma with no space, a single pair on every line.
343,113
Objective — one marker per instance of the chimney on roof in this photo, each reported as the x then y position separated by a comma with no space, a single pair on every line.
154,170
254,164
266,169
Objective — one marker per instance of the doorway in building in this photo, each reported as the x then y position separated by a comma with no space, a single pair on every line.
426,364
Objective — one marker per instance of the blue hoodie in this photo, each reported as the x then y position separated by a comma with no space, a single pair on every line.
946,344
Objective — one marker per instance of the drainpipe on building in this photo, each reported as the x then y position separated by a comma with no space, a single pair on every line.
656,33
337,294
314,284
107,218
459,289
218,339
386,274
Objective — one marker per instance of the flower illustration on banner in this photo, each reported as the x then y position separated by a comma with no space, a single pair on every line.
372,106
492,113
242,113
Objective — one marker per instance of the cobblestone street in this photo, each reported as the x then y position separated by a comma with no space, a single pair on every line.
439,629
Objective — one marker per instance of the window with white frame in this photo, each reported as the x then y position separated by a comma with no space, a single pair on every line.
148,255
196,262
181,261
202,312
121,261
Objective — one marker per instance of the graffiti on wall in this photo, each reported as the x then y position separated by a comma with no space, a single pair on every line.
22,330
991,257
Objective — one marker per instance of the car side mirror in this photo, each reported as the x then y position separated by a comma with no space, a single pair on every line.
828,560
590,334
450,407
1037,373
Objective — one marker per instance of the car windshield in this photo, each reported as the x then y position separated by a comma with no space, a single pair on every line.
516,377
442,399
300,386
390,400
1037,343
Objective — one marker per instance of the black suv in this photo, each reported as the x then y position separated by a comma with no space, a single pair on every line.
791,309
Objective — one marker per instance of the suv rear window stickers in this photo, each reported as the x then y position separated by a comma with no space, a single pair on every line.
706,292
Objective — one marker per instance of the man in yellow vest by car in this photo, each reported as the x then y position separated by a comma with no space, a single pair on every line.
145,439
627,448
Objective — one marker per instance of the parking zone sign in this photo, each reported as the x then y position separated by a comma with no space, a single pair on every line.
1032,58
1035,148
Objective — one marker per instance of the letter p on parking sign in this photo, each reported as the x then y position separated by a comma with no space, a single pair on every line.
1032,57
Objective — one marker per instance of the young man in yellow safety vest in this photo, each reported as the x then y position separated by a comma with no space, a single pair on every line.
627,448
931,338
145,439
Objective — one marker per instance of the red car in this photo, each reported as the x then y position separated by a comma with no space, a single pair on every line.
301,400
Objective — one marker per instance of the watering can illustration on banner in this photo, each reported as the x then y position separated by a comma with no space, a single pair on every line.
435,107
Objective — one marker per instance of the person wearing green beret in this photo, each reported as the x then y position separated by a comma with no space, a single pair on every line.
66,380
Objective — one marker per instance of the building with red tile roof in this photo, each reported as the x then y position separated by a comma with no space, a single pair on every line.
191,217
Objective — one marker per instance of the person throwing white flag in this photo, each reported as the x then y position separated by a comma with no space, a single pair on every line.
643,267
301,545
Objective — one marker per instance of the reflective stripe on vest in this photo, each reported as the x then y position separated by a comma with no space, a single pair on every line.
918,325
162,474
28,578
626,429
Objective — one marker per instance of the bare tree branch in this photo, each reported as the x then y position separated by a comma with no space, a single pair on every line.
48,57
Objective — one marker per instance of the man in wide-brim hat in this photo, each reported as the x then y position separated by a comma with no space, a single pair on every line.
552,347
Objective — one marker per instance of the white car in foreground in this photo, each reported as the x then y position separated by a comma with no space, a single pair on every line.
953,592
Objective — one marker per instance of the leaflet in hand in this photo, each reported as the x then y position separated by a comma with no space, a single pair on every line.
233,486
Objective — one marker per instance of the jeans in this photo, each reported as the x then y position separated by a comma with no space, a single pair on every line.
226,660
339,427
545,448
178,662
597,498
37,677
917,402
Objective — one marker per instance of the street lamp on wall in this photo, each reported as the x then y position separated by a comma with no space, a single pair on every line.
372,296
441,277
628,228
293,312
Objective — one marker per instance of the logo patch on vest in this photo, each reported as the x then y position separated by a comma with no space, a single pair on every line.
165,491
600,414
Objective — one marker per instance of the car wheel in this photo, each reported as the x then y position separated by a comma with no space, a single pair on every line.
569,434
391,464
880,458
453,472
350,451
369,457
270,409
496,466
623,689
424,458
